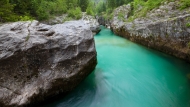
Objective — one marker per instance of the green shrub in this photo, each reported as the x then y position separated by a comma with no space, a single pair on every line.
57,7
188,25
89,11
25,17
6,12
42,14
75,13
184,4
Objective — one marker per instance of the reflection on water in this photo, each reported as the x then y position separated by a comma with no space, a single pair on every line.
130,75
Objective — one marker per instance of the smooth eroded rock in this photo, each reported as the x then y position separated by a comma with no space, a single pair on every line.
39,61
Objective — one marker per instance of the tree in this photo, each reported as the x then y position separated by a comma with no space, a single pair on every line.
111,4
6,11
83,4
89,9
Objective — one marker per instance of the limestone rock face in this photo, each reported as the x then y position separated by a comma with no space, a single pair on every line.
166,29
120,15
92,22
39,61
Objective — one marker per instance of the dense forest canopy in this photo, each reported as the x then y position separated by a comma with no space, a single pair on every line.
15,10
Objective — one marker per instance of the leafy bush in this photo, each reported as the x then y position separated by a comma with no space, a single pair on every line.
89,9
42,14
58,7
75,13
188,25
6,12
25,18
184,4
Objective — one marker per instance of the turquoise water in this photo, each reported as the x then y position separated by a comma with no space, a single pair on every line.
130,75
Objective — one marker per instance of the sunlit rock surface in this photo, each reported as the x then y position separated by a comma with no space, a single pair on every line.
39,61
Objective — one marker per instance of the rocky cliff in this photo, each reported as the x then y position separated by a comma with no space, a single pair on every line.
166,28
38,61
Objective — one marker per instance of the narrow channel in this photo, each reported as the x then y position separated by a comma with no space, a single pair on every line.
130,75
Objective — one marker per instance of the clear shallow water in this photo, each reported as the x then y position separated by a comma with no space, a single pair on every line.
130,75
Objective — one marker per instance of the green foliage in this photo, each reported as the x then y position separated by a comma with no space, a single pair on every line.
147,5
25,18
75,13
89,9
100,7
83,4
141,7
6,12
41,12
58,6
188,25
188,45
41,9
107,15
184,4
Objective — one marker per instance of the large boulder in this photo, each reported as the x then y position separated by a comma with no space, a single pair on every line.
166,28
38,61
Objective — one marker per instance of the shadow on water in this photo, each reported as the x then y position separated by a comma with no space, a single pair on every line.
83,94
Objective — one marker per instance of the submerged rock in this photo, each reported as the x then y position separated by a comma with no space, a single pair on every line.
165,29
39,61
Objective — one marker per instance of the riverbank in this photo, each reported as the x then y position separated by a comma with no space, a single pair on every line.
164,28
130,75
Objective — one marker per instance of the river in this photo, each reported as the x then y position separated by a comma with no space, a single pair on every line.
131,75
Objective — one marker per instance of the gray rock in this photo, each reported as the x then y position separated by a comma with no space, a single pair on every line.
38,61
92,22
124,10
164,29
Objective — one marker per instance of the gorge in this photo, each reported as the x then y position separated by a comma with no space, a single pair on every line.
140,57
131,75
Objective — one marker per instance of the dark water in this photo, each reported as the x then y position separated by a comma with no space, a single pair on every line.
130,75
